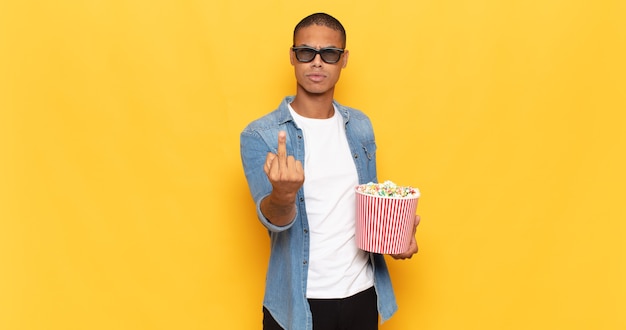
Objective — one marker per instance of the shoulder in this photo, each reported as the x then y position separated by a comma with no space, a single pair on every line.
267,121
271,120
351,113
357,122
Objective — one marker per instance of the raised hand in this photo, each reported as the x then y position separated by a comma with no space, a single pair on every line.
286,175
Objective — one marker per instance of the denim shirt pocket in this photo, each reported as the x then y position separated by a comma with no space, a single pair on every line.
369,148
368,162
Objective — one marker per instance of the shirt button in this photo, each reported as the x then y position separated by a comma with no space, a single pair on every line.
302,199
356,155
306,231
304,262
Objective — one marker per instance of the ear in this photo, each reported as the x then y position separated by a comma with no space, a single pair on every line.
344,59
292,57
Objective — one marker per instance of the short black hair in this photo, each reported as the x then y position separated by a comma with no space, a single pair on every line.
322,19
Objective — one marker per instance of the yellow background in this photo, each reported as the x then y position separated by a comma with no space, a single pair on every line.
123,204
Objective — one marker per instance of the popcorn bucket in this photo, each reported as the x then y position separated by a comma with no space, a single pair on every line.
384,224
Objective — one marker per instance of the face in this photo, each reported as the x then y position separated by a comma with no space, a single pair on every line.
317,76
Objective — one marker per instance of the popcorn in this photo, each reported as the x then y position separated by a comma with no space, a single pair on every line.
388,189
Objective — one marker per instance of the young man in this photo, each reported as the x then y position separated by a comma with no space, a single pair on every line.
302,162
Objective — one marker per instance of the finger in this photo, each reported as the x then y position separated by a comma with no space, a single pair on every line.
268,161
415,224
282,148
292,164
408,254
401,256
299,168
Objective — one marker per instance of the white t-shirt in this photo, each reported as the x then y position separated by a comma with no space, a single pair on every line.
337,268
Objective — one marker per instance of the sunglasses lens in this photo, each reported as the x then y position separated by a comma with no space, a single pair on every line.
305,54
330,55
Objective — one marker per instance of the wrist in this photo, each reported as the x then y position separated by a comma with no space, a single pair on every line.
282,199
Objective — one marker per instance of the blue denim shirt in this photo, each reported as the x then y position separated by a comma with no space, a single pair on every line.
286,279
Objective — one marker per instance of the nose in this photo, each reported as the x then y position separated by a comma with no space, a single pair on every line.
317,60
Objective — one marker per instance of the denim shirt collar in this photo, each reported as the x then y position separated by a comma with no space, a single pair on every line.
285,115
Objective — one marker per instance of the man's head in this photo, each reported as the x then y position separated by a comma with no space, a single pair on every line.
318,54
323,20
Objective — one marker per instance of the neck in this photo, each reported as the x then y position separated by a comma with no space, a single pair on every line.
317,106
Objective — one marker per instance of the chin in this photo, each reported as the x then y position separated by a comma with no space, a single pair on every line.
317,90
314,89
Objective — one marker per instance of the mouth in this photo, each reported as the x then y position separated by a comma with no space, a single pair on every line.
316,77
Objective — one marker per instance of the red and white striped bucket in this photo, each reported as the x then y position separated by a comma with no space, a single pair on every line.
384,224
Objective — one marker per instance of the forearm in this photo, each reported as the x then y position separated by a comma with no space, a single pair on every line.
280,211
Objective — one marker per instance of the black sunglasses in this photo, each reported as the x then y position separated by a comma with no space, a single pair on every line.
306,54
